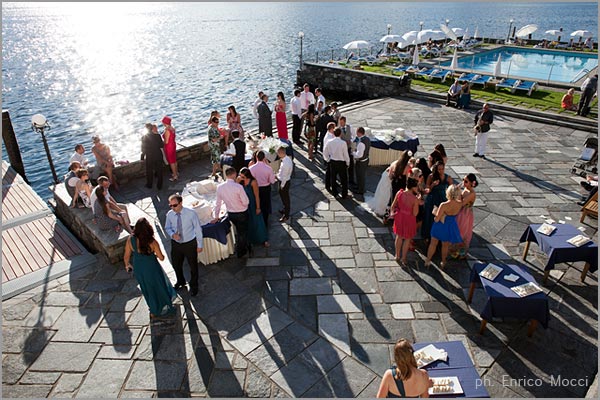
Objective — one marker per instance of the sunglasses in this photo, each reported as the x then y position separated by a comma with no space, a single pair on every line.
174,205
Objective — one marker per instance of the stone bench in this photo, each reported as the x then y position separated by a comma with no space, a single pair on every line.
80,222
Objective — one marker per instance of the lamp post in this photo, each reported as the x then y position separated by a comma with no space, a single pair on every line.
301,36
447,22
39,124
389,26
421,26
509,28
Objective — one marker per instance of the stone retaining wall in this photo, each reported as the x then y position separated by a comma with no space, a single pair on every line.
350,83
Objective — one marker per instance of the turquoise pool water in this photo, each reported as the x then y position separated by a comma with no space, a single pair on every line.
535,64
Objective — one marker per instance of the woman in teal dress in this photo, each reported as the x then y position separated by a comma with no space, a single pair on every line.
257,230
437,183
154,283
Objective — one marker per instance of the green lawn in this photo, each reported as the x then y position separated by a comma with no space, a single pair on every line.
543,100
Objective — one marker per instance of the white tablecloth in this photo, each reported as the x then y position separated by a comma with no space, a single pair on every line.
203,204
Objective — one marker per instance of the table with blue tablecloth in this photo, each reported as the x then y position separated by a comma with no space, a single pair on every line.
387,145
559,250
458,364
503,302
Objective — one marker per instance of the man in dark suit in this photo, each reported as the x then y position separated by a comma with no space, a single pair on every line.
152,146
265,121
324,119
239,159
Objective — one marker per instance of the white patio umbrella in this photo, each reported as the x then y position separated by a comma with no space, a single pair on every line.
498,66
582,34
448,32
424,35
416,56
476,34
391,39
526,30
458,31
553,32
357,45
466,35
410,37
454,63
437,35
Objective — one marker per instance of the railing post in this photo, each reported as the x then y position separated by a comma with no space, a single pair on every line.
548,81
317,57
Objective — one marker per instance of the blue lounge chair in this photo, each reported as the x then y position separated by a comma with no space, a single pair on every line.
482,80
424,72
528,86
467,77
402,68
440,73
506,83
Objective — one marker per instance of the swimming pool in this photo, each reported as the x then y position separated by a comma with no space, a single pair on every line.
535,64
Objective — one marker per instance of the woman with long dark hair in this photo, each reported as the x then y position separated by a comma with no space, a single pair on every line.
437,183
257,230
280,117
234,122
105,217
156,287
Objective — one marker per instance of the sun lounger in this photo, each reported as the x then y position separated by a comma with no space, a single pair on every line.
425,72
440,73
528,86
506,83
481,80
467,77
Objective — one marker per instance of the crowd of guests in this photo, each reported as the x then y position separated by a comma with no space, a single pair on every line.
419,196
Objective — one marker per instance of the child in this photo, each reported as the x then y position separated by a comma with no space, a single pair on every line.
404,210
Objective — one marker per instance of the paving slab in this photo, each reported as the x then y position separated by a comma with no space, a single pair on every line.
75,357
310,286
99,383
257,331
339,303
347,379
334,328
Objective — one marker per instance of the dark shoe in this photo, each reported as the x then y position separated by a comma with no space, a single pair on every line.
194,292
482,156
283,219
282,211
475,155
581,203
179,285
348,196
586,185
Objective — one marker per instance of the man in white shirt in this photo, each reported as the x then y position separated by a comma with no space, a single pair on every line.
453,93
256,104
335,152
78,156
284,176
319,96
296,114
328,137
234,196
306,98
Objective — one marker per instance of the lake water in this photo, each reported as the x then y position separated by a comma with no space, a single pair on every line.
107,68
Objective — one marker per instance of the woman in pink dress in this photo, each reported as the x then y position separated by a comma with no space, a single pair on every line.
464,219
234,122
405,208
280,118
170,151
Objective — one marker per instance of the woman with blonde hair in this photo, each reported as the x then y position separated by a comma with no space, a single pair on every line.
445,228
404,379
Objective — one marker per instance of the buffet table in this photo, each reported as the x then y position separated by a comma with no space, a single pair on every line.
388,144
219,238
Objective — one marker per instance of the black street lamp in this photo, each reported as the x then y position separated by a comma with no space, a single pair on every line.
301,36
39,124
421,26
389,26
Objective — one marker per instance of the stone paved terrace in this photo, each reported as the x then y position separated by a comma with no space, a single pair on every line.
317,313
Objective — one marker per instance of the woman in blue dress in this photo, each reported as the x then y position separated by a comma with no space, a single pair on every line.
445,229
436,185
257,230
154,283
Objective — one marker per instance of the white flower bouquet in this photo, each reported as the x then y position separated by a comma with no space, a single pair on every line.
270,145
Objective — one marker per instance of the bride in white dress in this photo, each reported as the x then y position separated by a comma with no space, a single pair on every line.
379,203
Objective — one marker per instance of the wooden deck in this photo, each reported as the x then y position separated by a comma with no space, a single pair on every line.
33,239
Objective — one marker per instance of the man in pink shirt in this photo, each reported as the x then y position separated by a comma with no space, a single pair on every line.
233,195
265,177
